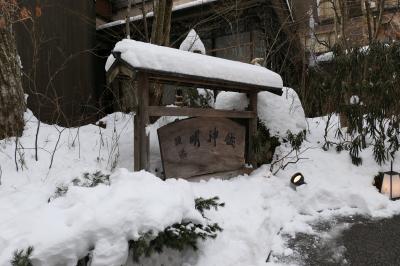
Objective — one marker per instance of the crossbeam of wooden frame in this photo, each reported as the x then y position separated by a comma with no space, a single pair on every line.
207,83
198,112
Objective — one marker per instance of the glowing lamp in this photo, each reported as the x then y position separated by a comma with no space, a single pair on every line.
391,184
297,180
388,183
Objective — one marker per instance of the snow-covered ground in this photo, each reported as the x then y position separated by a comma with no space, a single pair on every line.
260,208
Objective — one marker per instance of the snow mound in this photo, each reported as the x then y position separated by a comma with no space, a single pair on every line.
260,209
193,43
278,113
227,100
102,217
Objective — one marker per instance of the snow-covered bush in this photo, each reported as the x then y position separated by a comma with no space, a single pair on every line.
22,257
87,180
178,236
278,115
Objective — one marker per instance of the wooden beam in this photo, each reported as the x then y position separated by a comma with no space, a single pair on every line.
252,129
199,112
207,83
141,140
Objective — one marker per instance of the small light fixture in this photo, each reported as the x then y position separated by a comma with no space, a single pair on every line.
391,184
297,180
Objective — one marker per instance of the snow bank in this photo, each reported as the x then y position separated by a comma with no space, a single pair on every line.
278,113
159,58
103,218
259,209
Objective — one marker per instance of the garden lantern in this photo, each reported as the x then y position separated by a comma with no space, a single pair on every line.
297,180
391,184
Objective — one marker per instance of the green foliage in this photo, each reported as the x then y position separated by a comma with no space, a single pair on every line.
264,144
378,180
22,257
87,180
178,236
296,140
374,76
193,98
206,204
92,180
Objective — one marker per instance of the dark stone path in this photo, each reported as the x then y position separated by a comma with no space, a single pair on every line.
373,242
357,241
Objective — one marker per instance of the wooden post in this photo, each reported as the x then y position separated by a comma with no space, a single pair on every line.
141,121
252,129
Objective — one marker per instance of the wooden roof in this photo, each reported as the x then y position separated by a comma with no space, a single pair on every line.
176,67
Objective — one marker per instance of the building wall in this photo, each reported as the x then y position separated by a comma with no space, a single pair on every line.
327,29
60,78
121,10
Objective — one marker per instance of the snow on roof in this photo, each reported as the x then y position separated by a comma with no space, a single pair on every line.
193,43
147,56
151,14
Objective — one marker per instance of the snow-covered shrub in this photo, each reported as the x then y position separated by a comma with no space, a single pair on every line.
22,257
60,191
178,236
203,98
264,144
277,115
87,180
296,140
206,204
92,180
293,146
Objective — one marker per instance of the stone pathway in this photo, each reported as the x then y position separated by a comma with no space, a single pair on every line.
355,241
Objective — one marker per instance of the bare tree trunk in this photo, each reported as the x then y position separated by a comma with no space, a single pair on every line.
167,22
12,102
379,23
160,35
127,20
146,30
368,15
158,23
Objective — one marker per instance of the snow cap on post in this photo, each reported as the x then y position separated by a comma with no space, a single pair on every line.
193,43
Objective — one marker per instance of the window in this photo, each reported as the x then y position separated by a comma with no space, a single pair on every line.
325,11
354,8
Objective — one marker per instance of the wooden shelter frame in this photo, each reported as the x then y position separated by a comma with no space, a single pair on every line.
143,77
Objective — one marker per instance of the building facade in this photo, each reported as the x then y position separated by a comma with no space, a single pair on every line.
358,22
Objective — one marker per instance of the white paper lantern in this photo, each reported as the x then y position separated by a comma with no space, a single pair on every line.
391,185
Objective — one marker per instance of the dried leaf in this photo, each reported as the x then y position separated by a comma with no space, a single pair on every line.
38,11
24,13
